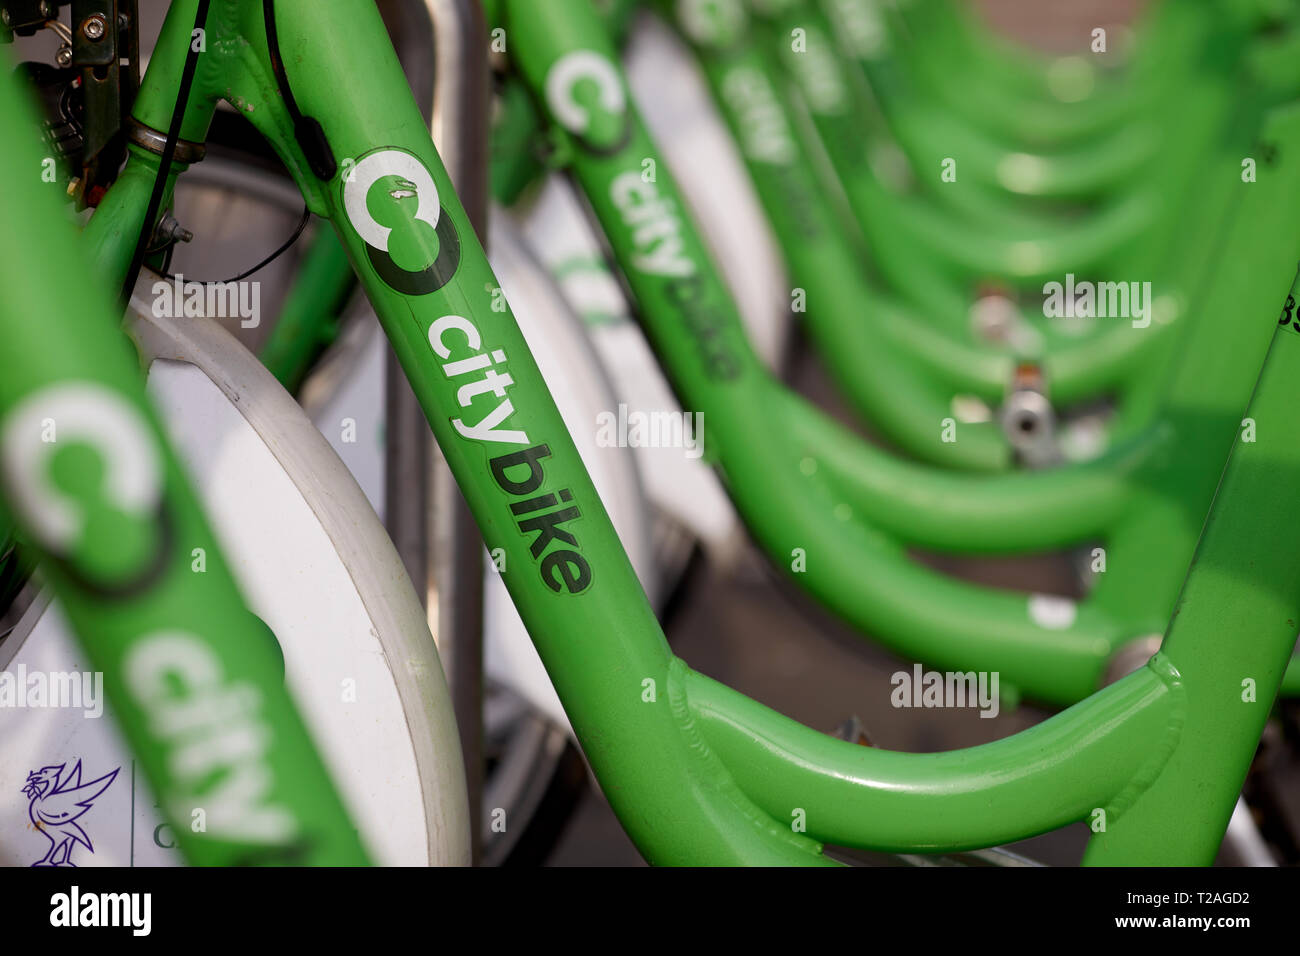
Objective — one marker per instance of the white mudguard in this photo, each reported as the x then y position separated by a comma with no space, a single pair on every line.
312,559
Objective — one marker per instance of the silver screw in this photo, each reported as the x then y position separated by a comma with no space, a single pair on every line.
94,27
47,10
64,56
169,228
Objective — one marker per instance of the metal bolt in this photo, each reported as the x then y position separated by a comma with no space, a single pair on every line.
94,27
47,10
4,15
169,230
64,56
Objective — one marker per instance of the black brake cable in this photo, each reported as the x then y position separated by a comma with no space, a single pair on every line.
298,231
165,161
306,129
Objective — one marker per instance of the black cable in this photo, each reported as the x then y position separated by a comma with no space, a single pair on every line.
167,256
302,224
306,129
165,162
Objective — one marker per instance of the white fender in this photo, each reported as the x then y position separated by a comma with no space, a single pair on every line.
312,559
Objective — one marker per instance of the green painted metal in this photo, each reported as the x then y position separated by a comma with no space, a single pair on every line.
1244,580
847,316
309,318
1031,100
89,479
586,612
698,773
937,260
815,495
915,372
1056,773
1099,157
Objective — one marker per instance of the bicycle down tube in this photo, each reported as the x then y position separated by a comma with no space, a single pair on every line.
195,679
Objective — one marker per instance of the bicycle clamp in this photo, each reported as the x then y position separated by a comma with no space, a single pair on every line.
146,137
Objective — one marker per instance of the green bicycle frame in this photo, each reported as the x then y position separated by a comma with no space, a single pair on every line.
928,252
838,513
696,772
196,680
915,370
1050,102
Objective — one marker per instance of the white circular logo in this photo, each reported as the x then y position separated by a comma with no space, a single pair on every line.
427,232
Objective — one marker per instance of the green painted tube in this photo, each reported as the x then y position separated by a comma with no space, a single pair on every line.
1054,774
1051,103
309,318
915,368
831,292
1244,580
508,448
836,511
87,474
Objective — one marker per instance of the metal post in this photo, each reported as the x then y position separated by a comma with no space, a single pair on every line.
460,131
408,441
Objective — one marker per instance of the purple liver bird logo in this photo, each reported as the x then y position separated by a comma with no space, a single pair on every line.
57,804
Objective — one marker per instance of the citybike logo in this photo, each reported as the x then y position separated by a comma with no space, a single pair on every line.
660,250
215,740
410,241
818,73
658,235
861,24
712,23
81,468
655,224
764,133
104,508
540,515
585,93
